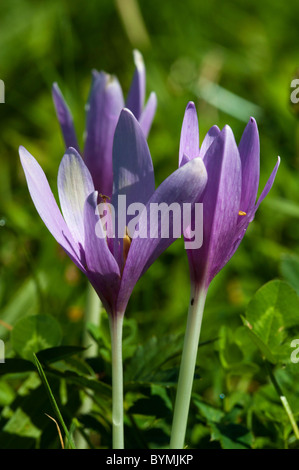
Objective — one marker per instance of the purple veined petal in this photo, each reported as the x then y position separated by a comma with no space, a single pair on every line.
185,185
135,100
133,173
189,141
74,185
208,140
245,220
103,109
221,202
185,159
268,186
65,118
47,207
148,113
249,149
102,269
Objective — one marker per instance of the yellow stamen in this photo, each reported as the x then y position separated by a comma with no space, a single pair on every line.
105,198
242,213
126,244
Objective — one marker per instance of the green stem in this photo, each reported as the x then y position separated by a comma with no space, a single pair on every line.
116,326
283,400
187,368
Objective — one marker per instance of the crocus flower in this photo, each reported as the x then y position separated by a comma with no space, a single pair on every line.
103,109
112,265
229,205
229,200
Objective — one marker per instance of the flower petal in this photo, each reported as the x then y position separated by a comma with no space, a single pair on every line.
208,140
268,185
103,109
135,100
249,149
102,269
148,113
245,220
185,185
189,142
47,207
221,203
65,118
133,173
74,185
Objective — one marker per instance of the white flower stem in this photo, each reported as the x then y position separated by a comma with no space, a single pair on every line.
116,327
187,368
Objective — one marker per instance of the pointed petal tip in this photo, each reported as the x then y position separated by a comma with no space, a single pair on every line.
127,113
24,154
56,92
138,58
72,151
190,105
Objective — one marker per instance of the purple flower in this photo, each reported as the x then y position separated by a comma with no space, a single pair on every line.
229,199
113,265
103,109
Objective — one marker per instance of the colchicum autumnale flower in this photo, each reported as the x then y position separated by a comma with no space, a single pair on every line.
229,200
112,265
229,205
103,108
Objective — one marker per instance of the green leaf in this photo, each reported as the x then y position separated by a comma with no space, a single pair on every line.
232,436
150,357
50,355
266,352
15,366
21,424
53,401
209,412
34,333
289,268
272,310
277,301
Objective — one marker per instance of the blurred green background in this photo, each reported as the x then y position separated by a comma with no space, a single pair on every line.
234,59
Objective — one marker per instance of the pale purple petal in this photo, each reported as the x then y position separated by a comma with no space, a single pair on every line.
185,159
221,202
102,269
148,113
208,140
135,100
185,185
103,109
47,207
249,149
189,141
268,185
65,118
244,221
74,185
133,173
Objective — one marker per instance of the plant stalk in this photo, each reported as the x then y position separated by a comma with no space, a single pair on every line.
116,327
187,368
